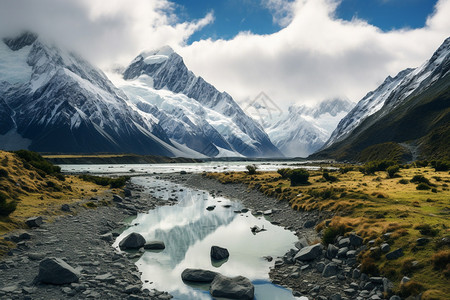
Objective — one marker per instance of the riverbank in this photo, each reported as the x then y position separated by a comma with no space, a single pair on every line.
83,239
304,278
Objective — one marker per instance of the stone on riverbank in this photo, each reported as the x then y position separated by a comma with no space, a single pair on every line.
309,253
154,245
132,241
34,222
198,275
233,288
219,253
56,271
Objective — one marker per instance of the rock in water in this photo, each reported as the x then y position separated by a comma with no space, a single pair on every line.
155,245
233,288
309,253
198,275
132,241
56,271
219,253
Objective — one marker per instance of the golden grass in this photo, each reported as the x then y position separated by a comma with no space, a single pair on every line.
371,206
37,195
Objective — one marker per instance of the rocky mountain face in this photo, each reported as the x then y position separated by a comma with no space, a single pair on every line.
412,109
60,103
193,113
304,130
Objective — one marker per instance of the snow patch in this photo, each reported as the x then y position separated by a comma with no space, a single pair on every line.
155,59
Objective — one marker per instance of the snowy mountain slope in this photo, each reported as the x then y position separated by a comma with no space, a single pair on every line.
415,112
192,111
61,103
393,92
303,130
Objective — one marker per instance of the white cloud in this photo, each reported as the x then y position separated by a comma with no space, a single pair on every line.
316,56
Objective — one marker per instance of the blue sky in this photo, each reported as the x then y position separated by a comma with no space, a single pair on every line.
234,16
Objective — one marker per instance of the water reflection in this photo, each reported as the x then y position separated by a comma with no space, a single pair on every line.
189,231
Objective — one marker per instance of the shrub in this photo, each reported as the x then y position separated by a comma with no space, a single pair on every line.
369,267
374,166
104,181
403,181
251,169
37,161
392,171
421,163
285,172
299,176
329,177
421,179
426,229
345,170
6,207
441,165
330,234
3,173
422,187
411,288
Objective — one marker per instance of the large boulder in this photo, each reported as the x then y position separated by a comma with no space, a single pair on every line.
56,271
332,251
330,269
219,253
355,240
132,241
233,288
309,253
198,275
302,243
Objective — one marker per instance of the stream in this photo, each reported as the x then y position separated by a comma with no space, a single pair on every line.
189,230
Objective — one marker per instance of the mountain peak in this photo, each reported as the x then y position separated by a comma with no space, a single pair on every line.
26,38
156,56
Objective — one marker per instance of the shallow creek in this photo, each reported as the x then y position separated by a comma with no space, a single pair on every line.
189,230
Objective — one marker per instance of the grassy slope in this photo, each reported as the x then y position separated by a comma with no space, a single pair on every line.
37,195
371,206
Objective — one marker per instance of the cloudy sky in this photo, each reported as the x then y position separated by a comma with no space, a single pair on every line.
301,51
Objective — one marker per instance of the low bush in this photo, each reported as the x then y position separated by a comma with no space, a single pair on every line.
6,206
3,173
330,234
423,187
329,177
392,171
105,181
427,229
369,267
298,177
403,181
37,161
440,165
412,287
421,163
421,179
251,169
374,166
285,172
345,170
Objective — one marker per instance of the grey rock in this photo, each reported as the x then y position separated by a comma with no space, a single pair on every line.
320,266
309,224
356,274
9,288
154,245
127,192
385,247
376,280
233,288
117,198
35,256
330,269
387,286
211,207
132,241
34,222
342,252
335,297
107,237
65,207
345,242
395,297
56,271
198,275
132,289
219,253
350,292
302,243
332,251
351,253
422,241
395,254
267,212
404,280
387,235
368,286
355,240
309,253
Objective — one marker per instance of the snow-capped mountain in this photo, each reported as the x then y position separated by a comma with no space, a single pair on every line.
303,130
54,101
393,92
193,113
411,111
